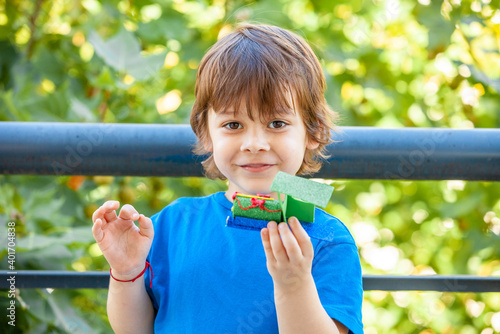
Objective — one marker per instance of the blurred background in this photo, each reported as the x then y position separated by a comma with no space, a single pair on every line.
388,63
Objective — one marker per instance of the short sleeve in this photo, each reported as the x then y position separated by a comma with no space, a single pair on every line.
147,274
337,274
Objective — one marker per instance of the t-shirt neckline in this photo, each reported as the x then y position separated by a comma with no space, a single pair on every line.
220,197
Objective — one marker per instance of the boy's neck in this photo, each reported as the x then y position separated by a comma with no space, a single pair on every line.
229,195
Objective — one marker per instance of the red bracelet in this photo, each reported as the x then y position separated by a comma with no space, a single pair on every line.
142,273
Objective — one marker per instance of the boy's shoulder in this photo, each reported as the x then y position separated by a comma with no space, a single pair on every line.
193,204
340,233
190,200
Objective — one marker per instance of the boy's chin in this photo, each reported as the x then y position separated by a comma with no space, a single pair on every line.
253,190
262,191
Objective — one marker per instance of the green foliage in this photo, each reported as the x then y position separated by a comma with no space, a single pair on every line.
387,63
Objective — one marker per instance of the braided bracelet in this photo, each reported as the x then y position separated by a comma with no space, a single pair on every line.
142,273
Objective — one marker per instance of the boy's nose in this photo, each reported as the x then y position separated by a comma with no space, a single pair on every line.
254,141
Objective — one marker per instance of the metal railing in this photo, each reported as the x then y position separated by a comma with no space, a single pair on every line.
165,150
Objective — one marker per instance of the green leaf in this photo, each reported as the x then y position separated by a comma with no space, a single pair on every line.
122,52
49,66
104,80
461,207
65,316
484,78
439,29
73,235
81,110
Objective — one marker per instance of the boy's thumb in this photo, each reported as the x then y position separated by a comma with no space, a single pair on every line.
146,226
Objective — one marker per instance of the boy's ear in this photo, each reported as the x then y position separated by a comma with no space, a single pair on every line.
207,145
311,144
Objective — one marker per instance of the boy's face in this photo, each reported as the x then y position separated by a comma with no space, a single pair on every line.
249,153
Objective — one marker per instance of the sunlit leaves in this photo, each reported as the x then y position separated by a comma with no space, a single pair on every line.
387,63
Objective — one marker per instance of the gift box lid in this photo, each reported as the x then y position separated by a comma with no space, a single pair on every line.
303,189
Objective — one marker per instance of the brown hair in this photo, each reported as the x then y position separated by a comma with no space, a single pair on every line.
260,65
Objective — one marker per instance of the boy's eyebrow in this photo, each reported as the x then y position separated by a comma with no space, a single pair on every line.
225,113
279,112
286,111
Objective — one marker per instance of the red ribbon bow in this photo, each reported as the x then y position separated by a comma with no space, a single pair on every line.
255,202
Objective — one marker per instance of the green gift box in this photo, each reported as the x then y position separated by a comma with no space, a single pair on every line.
302,196
257,208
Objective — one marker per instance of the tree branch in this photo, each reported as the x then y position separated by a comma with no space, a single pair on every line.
33,18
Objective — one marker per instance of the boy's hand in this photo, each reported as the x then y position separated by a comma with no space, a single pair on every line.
289,254
124,245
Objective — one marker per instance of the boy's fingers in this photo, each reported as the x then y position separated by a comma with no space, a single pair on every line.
94,215
128,212
107,210
292,247
279,251
99,213
264,234
97,230
146,226
302,237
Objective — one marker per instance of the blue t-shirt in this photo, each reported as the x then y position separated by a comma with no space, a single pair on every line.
210,278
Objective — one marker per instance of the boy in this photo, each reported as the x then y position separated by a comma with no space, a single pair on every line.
259,109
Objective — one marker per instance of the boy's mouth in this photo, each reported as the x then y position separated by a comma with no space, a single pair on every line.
255,168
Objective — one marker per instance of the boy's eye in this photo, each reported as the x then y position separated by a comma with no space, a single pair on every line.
277,124
233,125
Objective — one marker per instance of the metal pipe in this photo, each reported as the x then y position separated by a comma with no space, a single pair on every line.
31,279
166,150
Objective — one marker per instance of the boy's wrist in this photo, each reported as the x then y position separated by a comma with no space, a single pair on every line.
127,275
294,286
